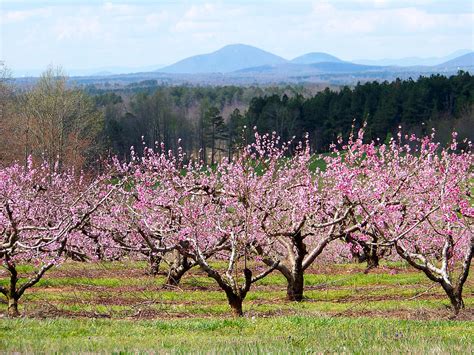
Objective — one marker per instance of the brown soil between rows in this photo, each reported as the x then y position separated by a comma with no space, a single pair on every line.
145,312
102,272
114,300
408,314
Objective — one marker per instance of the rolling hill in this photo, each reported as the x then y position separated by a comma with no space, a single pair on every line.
464,61
412,61
227,59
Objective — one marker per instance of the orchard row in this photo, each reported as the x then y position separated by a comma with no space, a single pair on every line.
274,207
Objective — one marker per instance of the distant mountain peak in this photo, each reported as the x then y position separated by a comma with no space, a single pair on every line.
465,61
237,46
315,57
226,59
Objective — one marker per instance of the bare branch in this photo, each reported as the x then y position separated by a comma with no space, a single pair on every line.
34,280
266,272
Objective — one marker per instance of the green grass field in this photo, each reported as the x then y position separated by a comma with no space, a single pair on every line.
116,307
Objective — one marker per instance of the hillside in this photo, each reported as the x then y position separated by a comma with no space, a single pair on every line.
227,59
466,60
413,61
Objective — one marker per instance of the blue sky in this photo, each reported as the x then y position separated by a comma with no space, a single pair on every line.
93,34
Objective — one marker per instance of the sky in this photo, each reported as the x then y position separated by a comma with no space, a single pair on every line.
148,34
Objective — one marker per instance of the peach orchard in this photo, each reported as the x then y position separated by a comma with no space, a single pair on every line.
269,209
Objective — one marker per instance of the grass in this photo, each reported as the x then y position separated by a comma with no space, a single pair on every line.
116,307
278,335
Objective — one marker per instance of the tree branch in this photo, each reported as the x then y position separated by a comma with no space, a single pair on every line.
34,280
266,272
432,272
466,266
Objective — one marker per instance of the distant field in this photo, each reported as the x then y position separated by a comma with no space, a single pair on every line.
117,307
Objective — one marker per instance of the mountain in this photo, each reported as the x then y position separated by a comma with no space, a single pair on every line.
464,61
315,57
227,59
413,61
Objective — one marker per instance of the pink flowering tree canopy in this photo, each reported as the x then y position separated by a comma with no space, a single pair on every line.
41,213
416,198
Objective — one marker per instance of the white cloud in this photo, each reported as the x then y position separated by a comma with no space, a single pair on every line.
327,18
73,28
211,16
120,9
9,17
155,20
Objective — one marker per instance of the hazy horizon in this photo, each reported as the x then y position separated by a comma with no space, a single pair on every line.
85,35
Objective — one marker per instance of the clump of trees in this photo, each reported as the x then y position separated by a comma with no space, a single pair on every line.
51,121
265,210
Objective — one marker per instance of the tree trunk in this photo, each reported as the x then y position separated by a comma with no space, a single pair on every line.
155,261
13,307
11,293
372,259
235,303
175,275
294,290
178,268
295,287
455,298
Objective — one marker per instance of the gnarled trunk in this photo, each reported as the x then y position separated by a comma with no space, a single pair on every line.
11,293
295,287
372,259
154,262
369,252
178,268
235,303
294,278
455,297
174,277
235,294
294,291
457,303
13,307
452,289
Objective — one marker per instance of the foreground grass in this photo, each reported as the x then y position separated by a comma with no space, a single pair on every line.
116,307
279,335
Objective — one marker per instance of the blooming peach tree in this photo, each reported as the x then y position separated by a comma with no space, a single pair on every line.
41,213
416,197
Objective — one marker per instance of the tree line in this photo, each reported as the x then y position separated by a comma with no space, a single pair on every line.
56,120
211,121
445,103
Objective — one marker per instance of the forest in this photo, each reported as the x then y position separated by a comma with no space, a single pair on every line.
79,125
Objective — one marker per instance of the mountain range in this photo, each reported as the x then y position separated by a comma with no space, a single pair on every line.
413,61
240,58
241,64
